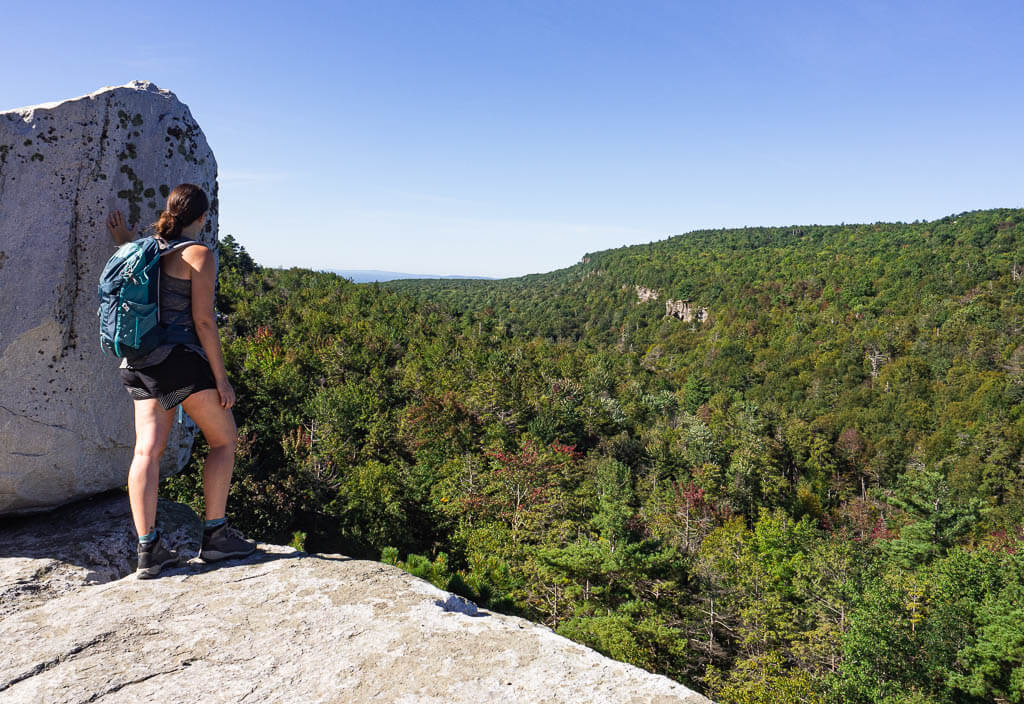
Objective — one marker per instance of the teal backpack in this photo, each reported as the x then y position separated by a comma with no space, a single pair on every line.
129,292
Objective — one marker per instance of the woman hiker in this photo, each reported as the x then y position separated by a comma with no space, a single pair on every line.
190,374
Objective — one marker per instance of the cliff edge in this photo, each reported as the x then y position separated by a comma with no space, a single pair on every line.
281,626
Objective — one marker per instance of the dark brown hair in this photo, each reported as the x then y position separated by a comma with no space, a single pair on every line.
185,205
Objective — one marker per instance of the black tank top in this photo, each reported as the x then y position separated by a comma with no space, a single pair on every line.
175,300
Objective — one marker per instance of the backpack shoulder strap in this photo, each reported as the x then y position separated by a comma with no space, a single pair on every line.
177,245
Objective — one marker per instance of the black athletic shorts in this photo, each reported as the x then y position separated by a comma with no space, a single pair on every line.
183,373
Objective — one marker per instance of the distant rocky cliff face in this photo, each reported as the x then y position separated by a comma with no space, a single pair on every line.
645,294
683,309
65,421
278,627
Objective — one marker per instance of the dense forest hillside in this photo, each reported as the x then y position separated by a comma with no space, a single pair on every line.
777,464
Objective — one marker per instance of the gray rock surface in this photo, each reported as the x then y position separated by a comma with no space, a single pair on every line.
283,626
89,542
63,167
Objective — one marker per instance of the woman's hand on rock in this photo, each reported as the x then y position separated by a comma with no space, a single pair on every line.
118,229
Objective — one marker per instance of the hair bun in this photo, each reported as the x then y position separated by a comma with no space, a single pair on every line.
186,203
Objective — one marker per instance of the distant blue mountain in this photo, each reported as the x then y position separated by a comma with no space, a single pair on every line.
365,276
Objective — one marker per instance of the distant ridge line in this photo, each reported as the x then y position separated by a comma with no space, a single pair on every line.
367,276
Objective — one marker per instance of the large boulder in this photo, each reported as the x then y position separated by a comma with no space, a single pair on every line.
66,427
281,626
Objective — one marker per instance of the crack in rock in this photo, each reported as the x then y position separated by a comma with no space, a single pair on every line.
67,301
54,662
27,417
253,576
121,685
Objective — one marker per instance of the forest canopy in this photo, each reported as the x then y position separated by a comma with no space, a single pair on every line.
808,487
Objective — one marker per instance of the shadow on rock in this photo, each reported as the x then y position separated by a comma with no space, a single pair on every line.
261,556
89,542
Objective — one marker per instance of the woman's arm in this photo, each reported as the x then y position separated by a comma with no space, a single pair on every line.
204,279
118,230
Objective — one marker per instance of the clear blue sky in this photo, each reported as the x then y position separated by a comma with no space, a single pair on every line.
503,138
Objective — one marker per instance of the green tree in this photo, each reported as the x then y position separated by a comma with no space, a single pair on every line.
696,392
934,517
994,663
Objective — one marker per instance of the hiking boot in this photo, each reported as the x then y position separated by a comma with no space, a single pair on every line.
153,558
224,542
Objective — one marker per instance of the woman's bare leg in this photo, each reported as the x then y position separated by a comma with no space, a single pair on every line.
152,426
218,427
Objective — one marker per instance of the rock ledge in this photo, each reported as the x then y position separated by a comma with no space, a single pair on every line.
289,626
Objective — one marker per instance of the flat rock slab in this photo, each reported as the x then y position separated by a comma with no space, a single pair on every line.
65,420
284,626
